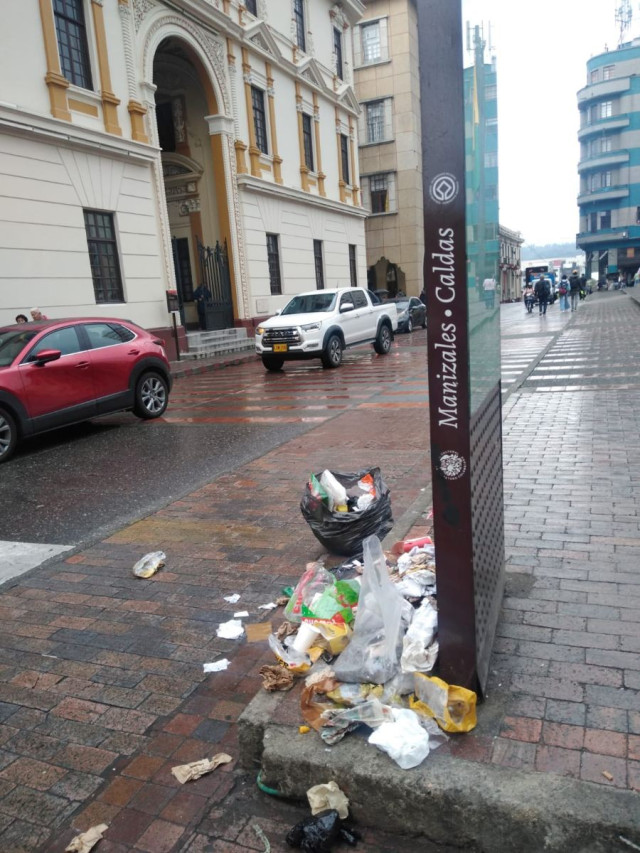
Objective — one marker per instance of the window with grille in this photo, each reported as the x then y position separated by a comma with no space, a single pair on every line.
103,256
251,7
371,43
344,157
379,191
273,260
337,49
259,119
73,47
308,140
319,266
353,267
298,18
375,115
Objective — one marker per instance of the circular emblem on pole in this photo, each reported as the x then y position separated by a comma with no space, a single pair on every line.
444,188
452,466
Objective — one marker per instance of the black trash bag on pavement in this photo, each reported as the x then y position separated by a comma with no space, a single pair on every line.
344,532
318,834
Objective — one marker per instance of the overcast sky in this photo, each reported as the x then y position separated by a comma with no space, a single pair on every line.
542,47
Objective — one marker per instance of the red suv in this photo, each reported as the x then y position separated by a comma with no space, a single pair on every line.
59,372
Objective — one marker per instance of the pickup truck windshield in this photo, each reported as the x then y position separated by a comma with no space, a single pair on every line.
310,303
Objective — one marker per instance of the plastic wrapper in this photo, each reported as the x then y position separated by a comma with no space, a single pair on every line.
416,584
453,708
336,492
149,564
315,579
373,654
344,532
419,649
292,659
404,740
335,603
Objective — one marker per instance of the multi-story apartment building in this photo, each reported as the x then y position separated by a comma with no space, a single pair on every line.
609,166
509,266
388,88
143,141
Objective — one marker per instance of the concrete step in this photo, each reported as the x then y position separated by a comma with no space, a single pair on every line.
205,344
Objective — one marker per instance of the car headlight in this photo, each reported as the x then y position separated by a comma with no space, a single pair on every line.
260,330
308,327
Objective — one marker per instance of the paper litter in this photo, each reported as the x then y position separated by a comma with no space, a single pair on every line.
216,666
196,769
232,599
230,630
241,614
276,677
328,796
270,606
86,841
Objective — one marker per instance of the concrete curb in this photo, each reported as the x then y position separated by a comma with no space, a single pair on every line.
457,802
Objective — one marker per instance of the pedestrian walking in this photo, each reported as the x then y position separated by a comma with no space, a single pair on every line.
542,290
563,292
574,289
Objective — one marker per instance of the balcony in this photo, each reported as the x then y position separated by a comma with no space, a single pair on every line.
601,161
603,125
606,88
608,236
604,194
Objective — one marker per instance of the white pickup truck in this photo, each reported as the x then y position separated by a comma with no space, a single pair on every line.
322,323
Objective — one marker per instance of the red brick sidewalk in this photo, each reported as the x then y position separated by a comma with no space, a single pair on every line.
101,682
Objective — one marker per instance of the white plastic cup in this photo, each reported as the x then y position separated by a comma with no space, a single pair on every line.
305,637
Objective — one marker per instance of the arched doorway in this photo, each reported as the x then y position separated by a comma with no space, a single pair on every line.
194,186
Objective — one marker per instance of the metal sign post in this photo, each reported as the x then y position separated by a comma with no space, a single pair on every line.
464,391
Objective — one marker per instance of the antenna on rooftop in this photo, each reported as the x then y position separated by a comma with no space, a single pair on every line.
623,18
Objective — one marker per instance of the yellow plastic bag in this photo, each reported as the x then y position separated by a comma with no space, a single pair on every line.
453,708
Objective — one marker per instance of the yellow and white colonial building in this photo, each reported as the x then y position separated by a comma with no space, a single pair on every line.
147,146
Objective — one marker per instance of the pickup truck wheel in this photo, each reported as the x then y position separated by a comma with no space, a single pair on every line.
272,362
383,341
332,355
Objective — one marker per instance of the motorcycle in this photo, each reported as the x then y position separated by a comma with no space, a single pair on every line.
529,302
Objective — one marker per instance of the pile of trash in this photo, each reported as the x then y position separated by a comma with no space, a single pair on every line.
367,644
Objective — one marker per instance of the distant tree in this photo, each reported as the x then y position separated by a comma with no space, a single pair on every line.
531,251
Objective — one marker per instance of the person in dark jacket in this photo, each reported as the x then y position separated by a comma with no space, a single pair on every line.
574,289
542,291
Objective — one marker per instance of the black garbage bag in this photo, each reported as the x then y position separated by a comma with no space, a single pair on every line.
344,532
318,834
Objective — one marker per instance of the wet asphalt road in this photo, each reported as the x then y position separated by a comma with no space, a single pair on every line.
79,484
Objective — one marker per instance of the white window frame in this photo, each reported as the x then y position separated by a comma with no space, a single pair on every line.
383,38
605,109
608,72
387,121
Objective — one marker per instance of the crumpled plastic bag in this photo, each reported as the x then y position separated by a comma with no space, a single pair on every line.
419,648
319,833
314,580
196,769
404,740
329,796
373,653
452,707
149,564
337,722
86,841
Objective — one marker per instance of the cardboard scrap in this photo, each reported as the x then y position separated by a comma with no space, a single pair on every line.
275,677
86,841
328,796
196,769
257,631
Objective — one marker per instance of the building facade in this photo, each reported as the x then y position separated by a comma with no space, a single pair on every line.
609,166
509,266
147,146
387,85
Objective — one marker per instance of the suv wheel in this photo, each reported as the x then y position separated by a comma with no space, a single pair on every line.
272,362
8,435
383,341
332,356
152,395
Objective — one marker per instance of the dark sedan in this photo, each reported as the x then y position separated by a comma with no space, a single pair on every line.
411,313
